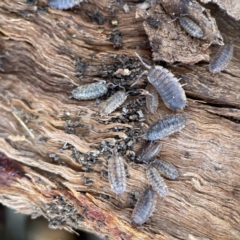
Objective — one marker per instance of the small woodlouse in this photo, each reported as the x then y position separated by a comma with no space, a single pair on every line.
154,22
165,169
191,27
112,103
166,84
148,151
144,207
222,58
152,101
90,90
63,4
165,126
157,182
117,174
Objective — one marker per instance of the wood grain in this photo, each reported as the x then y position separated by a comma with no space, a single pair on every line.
60,171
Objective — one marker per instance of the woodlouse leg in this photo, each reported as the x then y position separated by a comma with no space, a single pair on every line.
194,127
186,114
97,101
1,69
143,73
234,39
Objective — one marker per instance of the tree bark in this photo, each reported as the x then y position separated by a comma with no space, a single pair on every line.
54,157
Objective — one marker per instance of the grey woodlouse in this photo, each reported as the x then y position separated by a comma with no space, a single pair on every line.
112,103
157,182
166,84
148,151
191,27
144,207
117,174
90,90
165,126
222,58
152,99
165,169
63,4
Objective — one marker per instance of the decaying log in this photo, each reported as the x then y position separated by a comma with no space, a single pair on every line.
53,159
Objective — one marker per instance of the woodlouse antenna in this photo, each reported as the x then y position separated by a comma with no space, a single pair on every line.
144,92
143,73
143,63
174,19
143,136
181,15
99,80
111,84
113,150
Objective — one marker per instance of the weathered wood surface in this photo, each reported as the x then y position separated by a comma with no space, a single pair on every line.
41,47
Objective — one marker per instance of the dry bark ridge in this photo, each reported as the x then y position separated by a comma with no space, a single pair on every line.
67,183
170,42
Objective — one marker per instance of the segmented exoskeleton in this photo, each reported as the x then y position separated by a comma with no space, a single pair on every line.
156,181
148,151
166,84
222,58
63,4
165,169
165,126
144,207
90,91
117,174
191,27
112,103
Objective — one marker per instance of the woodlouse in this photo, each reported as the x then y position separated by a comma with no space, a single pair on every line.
63,4
191,27
152,99
153,22
90,90
166,84
144,207
165,126
148,151
157,182
117,174
222,58
165,169
113,102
